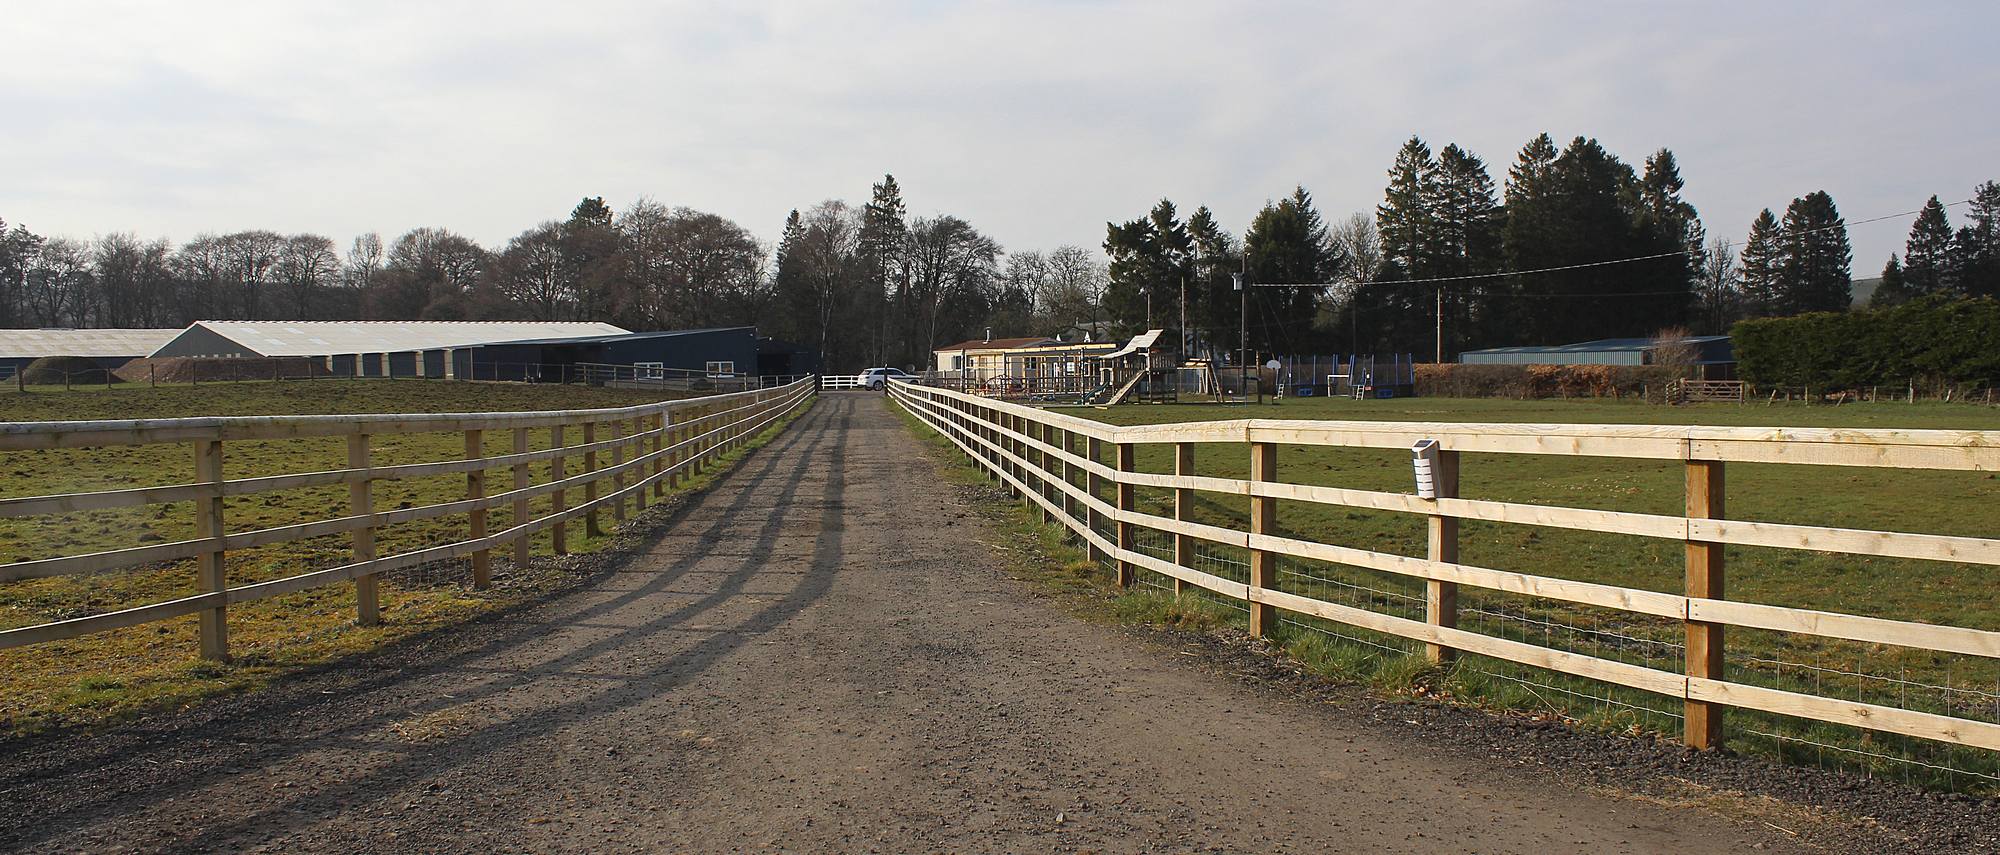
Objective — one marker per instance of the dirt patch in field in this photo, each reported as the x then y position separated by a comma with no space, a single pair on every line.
184,369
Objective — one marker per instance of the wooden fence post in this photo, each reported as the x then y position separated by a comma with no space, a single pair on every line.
1263,520
677,434
210,571
659,457
360,501
986,452
1094,449
591,526
558,533
1184,544
1127,534
641,426
1013,446
475,488
705,446
1441,598
1006,443
1701,722
697,451
1042,468
521,504
620,438
1069,474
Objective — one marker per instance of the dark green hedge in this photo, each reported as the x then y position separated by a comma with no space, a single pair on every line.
1931,342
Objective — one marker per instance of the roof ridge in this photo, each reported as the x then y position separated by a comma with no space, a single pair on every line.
380,321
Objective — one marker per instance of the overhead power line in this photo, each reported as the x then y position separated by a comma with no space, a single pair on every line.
1505,273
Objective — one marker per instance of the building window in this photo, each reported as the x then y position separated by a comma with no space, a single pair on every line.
725,368
650,370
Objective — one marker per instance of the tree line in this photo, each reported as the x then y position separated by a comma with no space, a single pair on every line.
1938,262
865,285
1574,243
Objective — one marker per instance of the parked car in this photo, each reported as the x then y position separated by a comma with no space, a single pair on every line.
877,378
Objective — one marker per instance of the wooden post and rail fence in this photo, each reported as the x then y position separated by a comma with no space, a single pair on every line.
665,441
1035,453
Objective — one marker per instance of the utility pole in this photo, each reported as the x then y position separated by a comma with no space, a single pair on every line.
1440,324
1185,347
1243,324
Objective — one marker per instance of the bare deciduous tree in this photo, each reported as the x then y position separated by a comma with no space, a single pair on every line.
1719,294
58,292
364,262
951,267
252,259
306,264
1075,293
685,267
537,274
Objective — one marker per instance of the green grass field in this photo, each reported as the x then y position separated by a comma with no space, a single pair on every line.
1959,503
98,677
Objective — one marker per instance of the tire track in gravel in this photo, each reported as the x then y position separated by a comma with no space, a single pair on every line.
819,655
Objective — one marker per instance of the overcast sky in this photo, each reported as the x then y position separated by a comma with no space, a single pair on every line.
1036,121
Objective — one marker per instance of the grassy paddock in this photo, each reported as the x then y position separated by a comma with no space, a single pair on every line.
107,675
1960,503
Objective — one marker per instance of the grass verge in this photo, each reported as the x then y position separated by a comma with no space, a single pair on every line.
1932,592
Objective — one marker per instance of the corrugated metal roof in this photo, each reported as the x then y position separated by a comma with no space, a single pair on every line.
39,343
322,338
617,337
990,344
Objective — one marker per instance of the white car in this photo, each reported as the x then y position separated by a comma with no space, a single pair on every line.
877,378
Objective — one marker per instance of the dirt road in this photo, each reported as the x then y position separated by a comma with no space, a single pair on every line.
819,655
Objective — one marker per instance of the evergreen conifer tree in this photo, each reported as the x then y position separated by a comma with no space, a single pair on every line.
1585,209
1466,242
1814,258
1287,245
1760,265
1150,257
1925,261
1975,253
1667,224
1211,291
1405,219
882,247
1531,199
1894,289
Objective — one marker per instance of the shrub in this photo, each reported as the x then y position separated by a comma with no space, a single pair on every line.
1933,343
1452,380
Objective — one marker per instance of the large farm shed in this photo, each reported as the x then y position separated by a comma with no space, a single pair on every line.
780,358
107,348
1711,353
724,352
369,348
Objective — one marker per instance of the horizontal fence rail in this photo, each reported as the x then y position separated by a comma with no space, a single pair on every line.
649,446
1036,454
